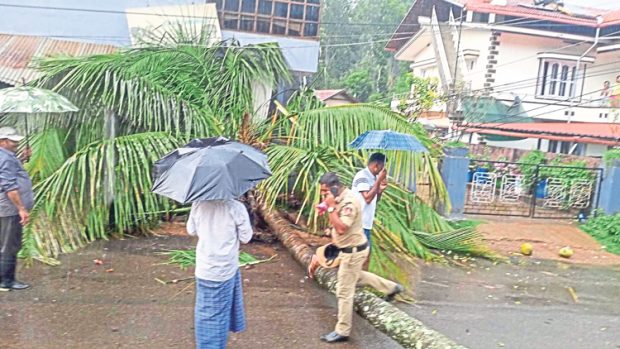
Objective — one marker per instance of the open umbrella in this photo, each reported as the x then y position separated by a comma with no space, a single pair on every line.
388,140
163,164
30,100
216,172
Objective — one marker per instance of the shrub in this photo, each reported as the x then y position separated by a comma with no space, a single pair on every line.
606,230
611,155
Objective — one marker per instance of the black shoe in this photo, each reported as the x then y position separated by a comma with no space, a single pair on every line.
334,337
398,289
4,287
18,286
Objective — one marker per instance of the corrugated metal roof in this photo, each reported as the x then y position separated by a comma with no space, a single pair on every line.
17,53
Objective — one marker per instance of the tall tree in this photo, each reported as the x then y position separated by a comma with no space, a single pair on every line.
353,35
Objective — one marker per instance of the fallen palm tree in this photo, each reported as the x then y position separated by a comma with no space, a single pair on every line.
151,99
407,331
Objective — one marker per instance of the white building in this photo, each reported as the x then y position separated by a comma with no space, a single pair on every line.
518,62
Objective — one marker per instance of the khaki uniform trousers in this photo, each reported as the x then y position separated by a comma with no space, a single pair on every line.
350,274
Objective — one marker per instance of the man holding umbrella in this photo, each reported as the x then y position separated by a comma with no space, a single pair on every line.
16,201
220,226
369,183
212,174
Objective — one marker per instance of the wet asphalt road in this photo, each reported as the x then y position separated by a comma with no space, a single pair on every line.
522,304
525,304
120,304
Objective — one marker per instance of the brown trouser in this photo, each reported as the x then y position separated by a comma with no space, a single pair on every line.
350,274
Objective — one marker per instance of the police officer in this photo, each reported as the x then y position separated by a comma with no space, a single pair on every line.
348,235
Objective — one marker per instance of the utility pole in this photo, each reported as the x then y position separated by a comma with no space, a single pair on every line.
454,99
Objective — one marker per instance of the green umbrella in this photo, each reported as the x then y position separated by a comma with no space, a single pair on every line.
30,100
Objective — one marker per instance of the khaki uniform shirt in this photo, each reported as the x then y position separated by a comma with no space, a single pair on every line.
350,214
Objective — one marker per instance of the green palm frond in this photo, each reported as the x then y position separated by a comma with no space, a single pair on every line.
129,84
171,89
400,215
464,240
48,153
74,204
338,126
297,171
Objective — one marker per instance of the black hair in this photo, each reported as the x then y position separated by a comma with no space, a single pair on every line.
330,179
377,157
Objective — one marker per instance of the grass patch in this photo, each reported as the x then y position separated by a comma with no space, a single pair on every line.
606,230
187,258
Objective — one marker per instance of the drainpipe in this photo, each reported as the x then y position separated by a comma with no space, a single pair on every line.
599,20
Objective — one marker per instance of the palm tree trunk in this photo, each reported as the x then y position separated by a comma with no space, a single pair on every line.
407,331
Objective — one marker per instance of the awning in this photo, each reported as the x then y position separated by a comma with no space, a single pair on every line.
487,109
605,134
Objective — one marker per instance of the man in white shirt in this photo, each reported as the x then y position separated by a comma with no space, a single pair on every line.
221,225
369,183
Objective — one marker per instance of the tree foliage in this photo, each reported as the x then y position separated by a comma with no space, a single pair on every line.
416,94
359,62
149,100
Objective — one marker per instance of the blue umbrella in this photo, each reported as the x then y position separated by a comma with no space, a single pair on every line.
388,140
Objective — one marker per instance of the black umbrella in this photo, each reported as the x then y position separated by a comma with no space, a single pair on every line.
221,170
169,159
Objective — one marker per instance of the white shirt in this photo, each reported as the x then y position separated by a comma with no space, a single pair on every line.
363,181
220,225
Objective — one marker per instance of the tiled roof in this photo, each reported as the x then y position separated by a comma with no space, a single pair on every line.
524,8
576,15
612,18
327,94
600,133
18,51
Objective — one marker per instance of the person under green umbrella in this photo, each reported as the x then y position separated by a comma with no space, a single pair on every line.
16,201
32,100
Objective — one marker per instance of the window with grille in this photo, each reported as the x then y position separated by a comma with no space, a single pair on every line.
557,79
299,18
